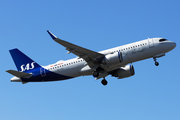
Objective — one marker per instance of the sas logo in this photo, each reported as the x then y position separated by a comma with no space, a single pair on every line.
27,67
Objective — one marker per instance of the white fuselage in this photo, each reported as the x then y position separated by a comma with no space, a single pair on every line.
131,53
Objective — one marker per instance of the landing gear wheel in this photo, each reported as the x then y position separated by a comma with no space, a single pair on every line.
95,74
104,82
156,63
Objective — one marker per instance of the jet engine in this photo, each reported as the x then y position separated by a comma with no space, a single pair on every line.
124,72
113,59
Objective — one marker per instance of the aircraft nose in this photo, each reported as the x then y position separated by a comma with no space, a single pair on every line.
173,45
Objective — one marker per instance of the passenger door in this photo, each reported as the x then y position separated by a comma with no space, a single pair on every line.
151,42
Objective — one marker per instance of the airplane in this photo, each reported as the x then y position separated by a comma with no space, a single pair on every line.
116,62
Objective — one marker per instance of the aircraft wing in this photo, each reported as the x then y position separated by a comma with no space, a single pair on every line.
89,56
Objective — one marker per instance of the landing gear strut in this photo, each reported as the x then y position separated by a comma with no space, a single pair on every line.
156,63
104,82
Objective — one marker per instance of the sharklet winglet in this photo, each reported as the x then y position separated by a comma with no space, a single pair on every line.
52,35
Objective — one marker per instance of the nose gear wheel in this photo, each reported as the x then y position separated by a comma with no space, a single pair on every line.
156,63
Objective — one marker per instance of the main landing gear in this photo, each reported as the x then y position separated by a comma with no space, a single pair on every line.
104,82
95,74
156,63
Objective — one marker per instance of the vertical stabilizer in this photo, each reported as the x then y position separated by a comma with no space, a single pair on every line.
22,61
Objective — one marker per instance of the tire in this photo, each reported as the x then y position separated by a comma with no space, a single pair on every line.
104,82
156,63
95,74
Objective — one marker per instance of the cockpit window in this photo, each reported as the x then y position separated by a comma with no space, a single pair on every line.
161,40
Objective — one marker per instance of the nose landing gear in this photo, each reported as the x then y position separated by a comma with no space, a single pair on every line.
156,63
157,56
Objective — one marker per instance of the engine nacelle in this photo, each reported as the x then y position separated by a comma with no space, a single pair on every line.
124,72
113,59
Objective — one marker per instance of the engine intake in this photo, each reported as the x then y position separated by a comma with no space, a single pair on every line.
124,72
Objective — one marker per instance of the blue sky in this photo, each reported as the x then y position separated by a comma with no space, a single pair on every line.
153,93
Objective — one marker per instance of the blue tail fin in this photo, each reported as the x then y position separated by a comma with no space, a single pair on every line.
23,62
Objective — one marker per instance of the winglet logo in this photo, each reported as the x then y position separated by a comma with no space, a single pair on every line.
27,67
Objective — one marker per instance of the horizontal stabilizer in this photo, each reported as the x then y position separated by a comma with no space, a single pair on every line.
19,74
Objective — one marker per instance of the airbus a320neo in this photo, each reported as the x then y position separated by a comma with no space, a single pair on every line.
115,61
